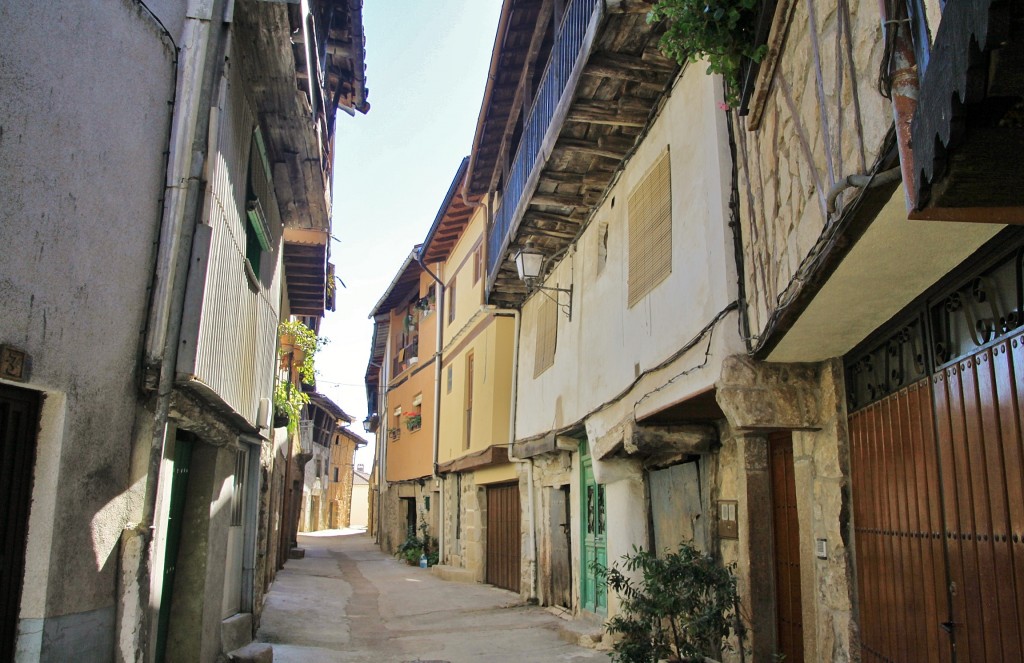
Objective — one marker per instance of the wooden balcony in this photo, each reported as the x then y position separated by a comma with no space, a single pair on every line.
968,131
600,89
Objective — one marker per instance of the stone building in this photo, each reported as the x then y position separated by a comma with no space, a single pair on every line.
406,324
341,481
157,228
784,331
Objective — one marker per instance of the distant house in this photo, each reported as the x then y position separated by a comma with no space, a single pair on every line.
360,506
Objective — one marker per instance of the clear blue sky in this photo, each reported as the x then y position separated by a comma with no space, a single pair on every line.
426,66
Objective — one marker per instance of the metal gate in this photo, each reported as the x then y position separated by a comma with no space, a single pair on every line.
19,420
937,473
786,532
503,536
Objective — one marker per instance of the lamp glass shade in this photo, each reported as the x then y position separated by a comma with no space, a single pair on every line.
528,263
368,424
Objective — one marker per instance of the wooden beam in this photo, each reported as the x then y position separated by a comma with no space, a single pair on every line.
607,118
648,61
557,199
588,147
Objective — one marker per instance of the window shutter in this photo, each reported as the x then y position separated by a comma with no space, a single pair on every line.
650,230
547,332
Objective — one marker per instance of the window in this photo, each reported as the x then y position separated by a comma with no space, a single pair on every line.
395,429
319,467
602,246
237,492
335,475
451,302
257,229
449,379
547,332
469,398
414,417
478,264
650,230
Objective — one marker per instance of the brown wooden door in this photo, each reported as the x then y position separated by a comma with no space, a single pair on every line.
938,498
786,532
503,536
897,513
978,407
19,421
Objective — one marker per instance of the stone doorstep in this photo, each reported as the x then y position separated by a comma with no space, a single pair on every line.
453,573
296,553
254,652
582,631
236,631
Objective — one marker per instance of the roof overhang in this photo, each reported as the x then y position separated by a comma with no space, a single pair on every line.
451,220
406,281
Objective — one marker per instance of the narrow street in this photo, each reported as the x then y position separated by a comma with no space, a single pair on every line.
347,601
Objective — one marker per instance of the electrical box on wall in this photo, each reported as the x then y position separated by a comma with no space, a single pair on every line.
728,525
821,548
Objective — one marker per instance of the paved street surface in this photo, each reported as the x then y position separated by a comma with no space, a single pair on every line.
347,601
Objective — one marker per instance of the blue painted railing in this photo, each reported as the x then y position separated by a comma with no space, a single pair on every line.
564,54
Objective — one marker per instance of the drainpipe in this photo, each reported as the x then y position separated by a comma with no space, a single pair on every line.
903,93
199,66
867,181
437,390
530,499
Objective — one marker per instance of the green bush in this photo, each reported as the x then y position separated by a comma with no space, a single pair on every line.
720,31
683,604
412,548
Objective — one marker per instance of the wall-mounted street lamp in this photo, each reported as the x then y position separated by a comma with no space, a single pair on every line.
529,264
370,423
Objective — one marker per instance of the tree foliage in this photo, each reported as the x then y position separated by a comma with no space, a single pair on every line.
679,604
720,31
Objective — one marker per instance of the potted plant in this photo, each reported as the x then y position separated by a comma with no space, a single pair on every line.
681,606
301,343
413,420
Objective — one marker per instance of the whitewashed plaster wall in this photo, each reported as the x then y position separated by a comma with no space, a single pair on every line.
82,167
607,345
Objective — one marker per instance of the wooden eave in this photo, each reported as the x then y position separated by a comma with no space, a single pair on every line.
509,55
378,346
306,270
403,286
493,455
451,220
622,86
326,404
968,130
276,73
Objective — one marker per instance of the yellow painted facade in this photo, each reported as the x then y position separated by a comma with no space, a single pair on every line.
476,369
411,387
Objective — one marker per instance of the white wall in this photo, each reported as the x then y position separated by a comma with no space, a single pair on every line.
84,117
606,345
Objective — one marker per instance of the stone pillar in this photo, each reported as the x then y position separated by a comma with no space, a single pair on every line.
755,564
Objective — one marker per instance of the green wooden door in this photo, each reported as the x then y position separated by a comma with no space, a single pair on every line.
594,594
179,489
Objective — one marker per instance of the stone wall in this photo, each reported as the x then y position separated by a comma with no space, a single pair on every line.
823,119
808,399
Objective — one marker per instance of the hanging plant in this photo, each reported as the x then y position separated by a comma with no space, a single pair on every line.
719,31
304,339
288,402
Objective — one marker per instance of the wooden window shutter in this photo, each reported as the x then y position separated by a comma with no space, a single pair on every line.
547,332
650,230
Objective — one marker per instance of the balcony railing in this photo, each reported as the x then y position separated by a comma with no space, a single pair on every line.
565,57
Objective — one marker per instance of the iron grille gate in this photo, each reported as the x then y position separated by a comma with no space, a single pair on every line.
937,473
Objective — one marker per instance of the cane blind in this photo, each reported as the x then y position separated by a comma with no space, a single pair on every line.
650,230
547,332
